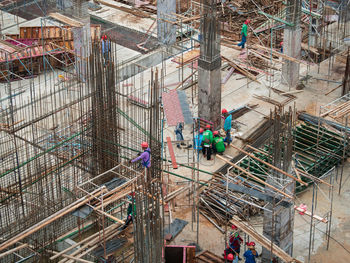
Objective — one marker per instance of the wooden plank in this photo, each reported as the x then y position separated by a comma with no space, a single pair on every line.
13,250
243,71
172,154
278,54
125,9
254,177
319,218
66,20
269,165
48,220
71,257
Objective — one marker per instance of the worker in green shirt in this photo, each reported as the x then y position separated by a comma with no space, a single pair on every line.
131,212
218,143
244,33
207,142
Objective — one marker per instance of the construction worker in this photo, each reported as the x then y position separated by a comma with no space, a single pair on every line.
232,258
235,243
178,132
251,253
230,255
145,156
131,211
281,45
207,142
105,46
198,140
218,143
227,126
244,33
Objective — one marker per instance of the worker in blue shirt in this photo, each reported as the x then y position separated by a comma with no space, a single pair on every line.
227,126
198,140
251,253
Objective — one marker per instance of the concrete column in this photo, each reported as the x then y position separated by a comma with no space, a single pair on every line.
166,31
292,43
279,227
209,94
292,48
209,65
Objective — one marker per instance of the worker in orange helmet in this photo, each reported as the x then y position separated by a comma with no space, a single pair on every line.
244,33
145,157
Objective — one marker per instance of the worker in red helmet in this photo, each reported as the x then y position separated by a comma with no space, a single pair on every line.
244,33
198,140
207,142
230,255
281,46
227,126
235,242
218,143
251,253
145,157
105,46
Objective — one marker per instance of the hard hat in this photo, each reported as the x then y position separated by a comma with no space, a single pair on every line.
201,130
208,126
247,21
281,43
230,257
216,133
224,111
233,227
252,244
144,145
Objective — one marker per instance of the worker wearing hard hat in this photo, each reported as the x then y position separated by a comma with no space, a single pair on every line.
251,253
227,126
244,33
145,156
207,142
218,143
198,140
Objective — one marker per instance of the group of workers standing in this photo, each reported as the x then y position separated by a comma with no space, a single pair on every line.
211,141
231,253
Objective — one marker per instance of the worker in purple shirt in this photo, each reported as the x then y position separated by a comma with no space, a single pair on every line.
145,156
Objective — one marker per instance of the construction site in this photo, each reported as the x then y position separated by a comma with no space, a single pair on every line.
113,112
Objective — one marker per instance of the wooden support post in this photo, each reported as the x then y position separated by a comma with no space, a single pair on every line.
172,154
254,177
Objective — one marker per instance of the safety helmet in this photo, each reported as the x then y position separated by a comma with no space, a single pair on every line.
207,126
247,21
216,133
230,257
201,130
144,145
224,111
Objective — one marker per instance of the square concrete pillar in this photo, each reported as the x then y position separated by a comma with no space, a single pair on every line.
292,48
209,91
